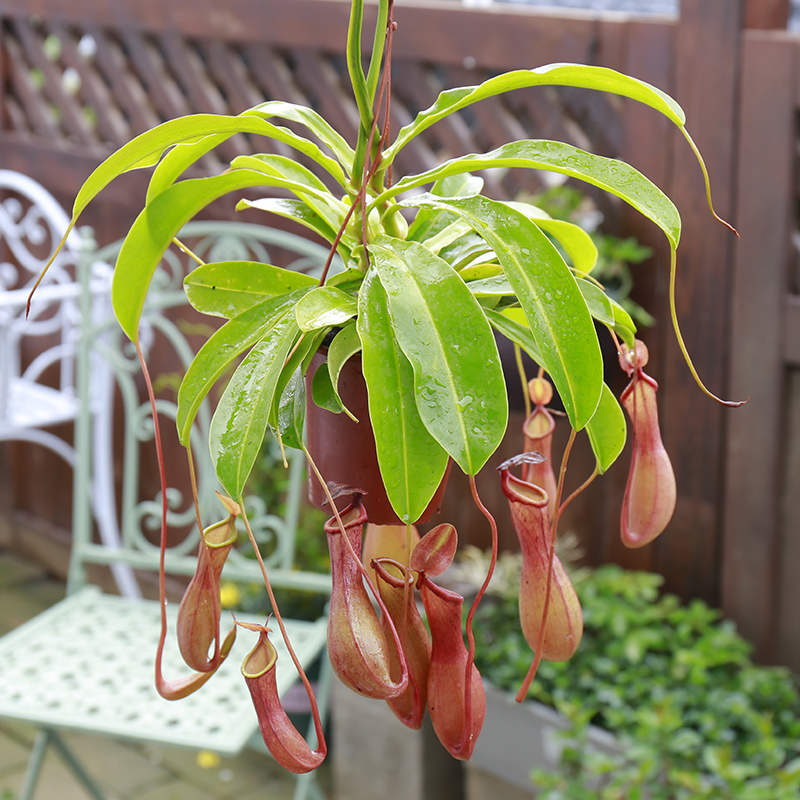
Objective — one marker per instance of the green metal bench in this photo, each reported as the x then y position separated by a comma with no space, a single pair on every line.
86,664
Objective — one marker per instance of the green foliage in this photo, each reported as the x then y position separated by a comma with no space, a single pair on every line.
696,718
615,255
463,266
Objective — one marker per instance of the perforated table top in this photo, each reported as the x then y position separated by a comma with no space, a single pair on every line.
87,664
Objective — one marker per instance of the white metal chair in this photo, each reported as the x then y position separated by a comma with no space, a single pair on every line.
86,664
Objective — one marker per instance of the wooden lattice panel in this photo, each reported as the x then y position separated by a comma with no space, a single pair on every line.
88,86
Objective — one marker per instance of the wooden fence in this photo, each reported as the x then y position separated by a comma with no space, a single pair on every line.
735,539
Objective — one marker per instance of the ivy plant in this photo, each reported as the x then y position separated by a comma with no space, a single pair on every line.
694,716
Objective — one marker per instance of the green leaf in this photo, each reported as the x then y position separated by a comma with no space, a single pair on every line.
481,268
240,420
446,236
546,290
344,346
622,318
301,353
300,181
430,221
607,430
322,392
597,301
412,463
494,286
221,349
511,322
154,229
325,306
292,411
227,288
297,211
609,174
442,330
146,149
181,157
314,122
588,77
577,243
348,280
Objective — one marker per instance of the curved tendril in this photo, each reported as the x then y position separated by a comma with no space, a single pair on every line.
673,269
580,489
537,659
182,687
474,607
707,180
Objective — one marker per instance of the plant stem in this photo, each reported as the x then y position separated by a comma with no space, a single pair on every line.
354,67
474,607
524,378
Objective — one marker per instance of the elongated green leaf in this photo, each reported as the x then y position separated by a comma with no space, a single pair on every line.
301,182
446,236
297,211
301,352
323,307
597,301
609,174
494,286
512,324
147,148
314,122
181,157
578,75
546,290
480,266
222,348
607,430
240,420
227,288
348,280
412,463
577,243
156,226
344,346
430,221
322,391
442,330
622,317
292,411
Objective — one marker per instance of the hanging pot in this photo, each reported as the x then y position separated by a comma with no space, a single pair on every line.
344,451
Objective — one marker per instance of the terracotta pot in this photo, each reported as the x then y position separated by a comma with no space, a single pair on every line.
345,452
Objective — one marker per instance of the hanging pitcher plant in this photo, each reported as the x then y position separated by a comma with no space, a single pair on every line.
429,280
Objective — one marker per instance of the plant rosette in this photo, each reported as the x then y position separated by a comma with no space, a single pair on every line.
428,280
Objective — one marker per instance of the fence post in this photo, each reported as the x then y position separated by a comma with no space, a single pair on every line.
759,587
707,45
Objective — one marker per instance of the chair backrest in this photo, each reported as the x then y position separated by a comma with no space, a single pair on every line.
31,224
116,468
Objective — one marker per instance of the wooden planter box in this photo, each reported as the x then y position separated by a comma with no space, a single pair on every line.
515,739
